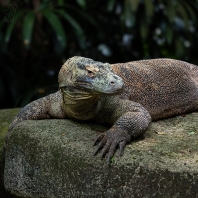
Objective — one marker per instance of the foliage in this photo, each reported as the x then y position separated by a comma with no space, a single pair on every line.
42,34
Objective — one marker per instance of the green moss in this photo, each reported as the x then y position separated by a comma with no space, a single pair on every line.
6,117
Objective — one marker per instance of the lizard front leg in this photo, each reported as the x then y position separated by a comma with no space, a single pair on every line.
130,119
44,108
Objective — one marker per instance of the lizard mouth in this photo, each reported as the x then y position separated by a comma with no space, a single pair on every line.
90,88
83,85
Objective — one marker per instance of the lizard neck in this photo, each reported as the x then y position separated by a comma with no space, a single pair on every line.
81,106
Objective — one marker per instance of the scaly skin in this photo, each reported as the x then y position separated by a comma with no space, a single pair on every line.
165,87
90,90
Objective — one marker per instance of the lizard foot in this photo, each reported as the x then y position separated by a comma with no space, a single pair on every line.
110,140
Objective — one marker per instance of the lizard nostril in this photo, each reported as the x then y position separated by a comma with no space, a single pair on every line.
112,82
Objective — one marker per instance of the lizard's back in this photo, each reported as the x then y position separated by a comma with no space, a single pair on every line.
165,87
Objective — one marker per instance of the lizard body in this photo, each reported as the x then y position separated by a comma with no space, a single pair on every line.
165,87
126,95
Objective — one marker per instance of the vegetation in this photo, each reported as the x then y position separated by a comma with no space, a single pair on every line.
37,36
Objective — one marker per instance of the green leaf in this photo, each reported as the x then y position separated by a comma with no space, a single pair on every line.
144,29
112,159
171,11
190,11
183,15
1,33
169,35
12,24
2,88
56,25
82,3
180,47
28,24
60,2
78,30
149,9
72,21
110,5
26,98
1,23
191,133
132,4
83,14
128,16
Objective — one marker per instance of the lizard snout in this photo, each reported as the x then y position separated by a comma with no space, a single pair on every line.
116,83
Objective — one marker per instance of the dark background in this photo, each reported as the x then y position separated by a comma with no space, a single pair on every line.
38,36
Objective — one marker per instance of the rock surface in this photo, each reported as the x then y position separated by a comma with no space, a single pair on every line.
54,158
6,116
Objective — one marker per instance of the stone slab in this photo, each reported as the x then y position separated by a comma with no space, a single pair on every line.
54,158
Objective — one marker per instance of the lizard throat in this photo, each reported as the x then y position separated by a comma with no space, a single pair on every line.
81,106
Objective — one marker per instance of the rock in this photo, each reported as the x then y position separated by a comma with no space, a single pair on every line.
6,116
54,158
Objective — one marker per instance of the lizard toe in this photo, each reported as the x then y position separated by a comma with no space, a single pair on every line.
106,148
112,151
98,139
121,147
100,146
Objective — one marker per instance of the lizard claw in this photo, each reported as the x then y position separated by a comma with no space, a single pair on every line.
98,139
113,148
100,146
121,146
109,141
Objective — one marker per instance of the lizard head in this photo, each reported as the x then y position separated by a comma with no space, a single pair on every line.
85,75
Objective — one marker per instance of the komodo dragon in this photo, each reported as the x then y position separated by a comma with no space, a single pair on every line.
127,96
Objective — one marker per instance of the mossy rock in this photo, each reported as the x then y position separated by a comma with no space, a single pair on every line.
54,158
6,116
